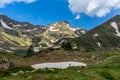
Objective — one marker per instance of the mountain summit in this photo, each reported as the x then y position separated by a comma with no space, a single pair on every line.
16,34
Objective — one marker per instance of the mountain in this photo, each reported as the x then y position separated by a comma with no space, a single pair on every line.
17,35
104,36
58,31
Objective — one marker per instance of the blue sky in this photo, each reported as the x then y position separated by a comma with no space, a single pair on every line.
43,12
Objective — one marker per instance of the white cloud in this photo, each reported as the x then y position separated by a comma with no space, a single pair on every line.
4,2
97,8
77,17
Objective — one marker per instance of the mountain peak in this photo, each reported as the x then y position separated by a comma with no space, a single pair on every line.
60,24
115,18
64,22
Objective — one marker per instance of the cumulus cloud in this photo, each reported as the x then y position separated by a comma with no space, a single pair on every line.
97,8
4,2
77,17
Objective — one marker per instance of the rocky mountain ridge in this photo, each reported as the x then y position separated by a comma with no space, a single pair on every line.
104,36
16,34
20,34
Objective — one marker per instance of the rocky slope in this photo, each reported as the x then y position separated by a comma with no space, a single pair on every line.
15,35
105,36
58,31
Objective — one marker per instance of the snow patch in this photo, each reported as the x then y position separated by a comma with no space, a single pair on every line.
53,40
62,41
1,42
25,25
98,43
11,23
5,50
8,51
12,48
1,49
83,31
49,45
95,35
57,47
36,50
53,29
45,32
76,35
29,30
68,26
75,47
61,65
114,25
18,25
78,32
73,29
5,25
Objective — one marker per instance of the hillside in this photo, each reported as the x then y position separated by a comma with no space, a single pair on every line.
18,35
98,49
105,65
104,36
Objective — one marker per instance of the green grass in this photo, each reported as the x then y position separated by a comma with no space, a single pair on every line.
109,69
96,72
15,70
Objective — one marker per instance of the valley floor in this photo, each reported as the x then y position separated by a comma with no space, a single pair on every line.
101,65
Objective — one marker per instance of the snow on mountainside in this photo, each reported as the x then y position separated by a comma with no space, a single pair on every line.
14,33
114,25
56,31
4,24
17,34
104,36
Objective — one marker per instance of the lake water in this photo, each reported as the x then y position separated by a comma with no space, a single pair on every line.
23,53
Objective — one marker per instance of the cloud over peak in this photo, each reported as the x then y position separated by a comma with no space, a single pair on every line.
97,8
4,2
